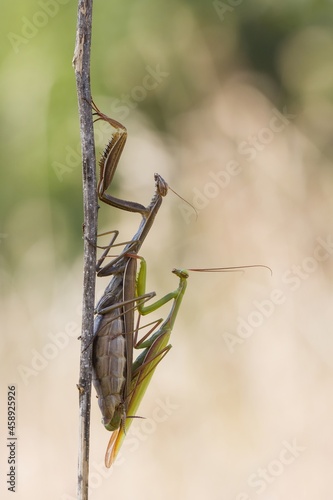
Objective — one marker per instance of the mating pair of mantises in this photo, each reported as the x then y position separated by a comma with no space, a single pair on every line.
119,381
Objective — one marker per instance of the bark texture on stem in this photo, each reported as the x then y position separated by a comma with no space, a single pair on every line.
81,63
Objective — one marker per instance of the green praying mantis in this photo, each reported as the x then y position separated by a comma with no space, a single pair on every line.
155,347
119,381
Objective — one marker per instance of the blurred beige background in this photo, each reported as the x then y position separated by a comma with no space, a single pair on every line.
240,124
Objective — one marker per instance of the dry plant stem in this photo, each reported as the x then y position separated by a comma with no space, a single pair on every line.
81,63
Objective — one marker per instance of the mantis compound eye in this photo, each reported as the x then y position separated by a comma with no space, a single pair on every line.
161,185
181,273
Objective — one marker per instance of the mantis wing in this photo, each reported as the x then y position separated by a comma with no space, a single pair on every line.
143,370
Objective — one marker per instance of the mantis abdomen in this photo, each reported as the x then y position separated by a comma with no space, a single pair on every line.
109,367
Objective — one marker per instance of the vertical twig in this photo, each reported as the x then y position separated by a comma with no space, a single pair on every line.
81,63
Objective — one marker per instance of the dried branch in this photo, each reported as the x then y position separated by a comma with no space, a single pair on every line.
81,63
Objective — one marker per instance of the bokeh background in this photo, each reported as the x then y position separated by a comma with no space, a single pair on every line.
232,103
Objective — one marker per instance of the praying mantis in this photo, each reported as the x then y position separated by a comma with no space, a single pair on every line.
118,381
121,383
156,346
114,321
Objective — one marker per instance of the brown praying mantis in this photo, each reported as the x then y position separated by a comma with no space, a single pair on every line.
114,321
121,383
